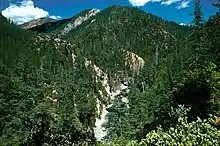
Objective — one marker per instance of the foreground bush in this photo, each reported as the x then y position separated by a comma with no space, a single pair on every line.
186,134
199,132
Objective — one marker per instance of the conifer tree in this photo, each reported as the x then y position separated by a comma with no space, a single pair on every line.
198,15
217,5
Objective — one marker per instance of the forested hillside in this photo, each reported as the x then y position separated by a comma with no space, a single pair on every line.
48,94
116,77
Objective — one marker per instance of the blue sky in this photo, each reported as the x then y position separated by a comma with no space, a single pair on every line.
26,10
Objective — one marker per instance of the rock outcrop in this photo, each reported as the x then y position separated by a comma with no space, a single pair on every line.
37,22
135,62
79,21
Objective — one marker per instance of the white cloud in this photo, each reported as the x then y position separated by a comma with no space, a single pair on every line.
183,4
180,3
139,3
55,17
24,11
169,2
182,24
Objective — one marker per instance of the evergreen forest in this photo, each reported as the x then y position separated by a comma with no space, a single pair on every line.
151,81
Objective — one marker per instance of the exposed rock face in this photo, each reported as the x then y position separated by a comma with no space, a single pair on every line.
136,62
218,121
79,21
99,130
37,22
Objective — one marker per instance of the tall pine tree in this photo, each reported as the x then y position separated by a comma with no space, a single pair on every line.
198,15
217,5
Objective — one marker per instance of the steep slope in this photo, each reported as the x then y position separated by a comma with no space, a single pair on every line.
11,45
29,43
154,45
45,83
106,37
53,56
54,66
37,22
125,14
121,41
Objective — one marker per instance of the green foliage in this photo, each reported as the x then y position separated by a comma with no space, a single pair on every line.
116,118
47,102
217,5
120,141
49,97
12,46
203,44
198,15
118,30
163,83
36,110
199,132
2,18
211,37
199,89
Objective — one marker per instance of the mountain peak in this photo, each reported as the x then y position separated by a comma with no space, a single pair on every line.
37,22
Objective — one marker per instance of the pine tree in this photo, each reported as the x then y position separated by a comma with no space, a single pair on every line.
217,5
198,15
